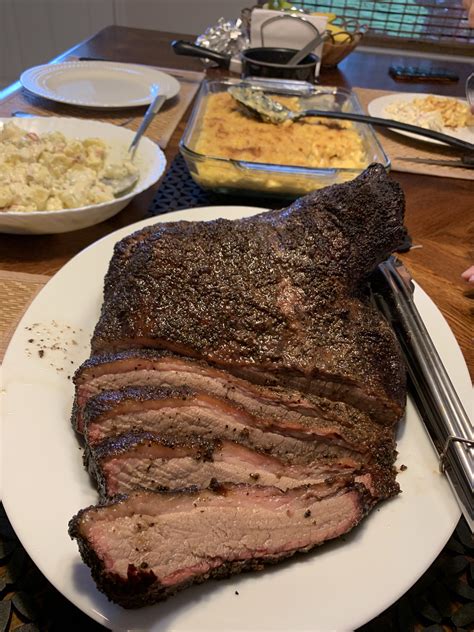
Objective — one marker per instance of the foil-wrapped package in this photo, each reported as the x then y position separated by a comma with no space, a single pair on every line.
227,36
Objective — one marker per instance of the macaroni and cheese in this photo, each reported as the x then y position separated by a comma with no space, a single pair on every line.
226,134
310,142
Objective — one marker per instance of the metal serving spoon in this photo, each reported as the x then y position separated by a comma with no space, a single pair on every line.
310,46
270,111
122,186
470,90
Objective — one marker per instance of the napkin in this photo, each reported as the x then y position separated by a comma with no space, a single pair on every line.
290,30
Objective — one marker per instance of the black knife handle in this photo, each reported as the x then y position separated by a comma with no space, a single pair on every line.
390,123
181,47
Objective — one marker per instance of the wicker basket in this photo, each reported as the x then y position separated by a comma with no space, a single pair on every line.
341,42
334,50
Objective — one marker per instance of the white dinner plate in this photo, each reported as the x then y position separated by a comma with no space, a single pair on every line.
340,586
377,106
99,84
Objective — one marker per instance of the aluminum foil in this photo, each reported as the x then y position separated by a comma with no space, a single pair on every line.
227,36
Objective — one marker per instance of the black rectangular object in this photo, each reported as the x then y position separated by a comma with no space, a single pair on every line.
418,74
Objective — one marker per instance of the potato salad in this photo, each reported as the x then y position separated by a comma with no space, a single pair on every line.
50,172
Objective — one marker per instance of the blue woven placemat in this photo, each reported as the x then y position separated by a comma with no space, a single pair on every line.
179,191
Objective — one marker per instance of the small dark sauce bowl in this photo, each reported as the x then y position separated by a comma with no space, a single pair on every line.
271,63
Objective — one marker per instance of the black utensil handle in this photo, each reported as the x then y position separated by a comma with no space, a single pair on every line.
374,120
181,47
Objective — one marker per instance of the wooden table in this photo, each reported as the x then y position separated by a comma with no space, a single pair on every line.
438,209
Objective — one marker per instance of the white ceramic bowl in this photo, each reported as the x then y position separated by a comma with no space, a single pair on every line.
148,157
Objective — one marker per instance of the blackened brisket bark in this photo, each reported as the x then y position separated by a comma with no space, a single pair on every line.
127,543
274,298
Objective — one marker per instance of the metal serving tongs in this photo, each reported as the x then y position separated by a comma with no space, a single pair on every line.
433,392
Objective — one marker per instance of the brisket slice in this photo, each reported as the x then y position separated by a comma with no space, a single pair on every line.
148,367
138,554
182,414
149,462
275,298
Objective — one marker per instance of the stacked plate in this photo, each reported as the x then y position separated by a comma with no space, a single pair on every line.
98,84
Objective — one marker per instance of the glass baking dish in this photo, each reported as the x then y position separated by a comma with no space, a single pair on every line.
225,174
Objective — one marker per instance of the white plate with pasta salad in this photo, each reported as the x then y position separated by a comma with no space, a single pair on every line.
449,115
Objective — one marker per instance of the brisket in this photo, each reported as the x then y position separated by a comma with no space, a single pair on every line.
147,367
181,413
149,462
242,392
275,298
138,554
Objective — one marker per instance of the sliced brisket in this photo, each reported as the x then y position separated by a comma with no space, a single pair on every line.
146,461
148,367
182,414
149,545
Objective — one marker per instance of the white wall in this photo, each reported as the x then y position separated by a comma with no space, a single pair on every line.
182,16
34,31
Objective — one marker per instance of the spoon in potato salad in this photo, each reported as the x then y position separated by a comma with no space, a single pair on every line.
50,172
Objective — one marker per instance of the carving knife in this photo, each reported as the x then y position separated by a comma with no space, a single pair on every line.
466,162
